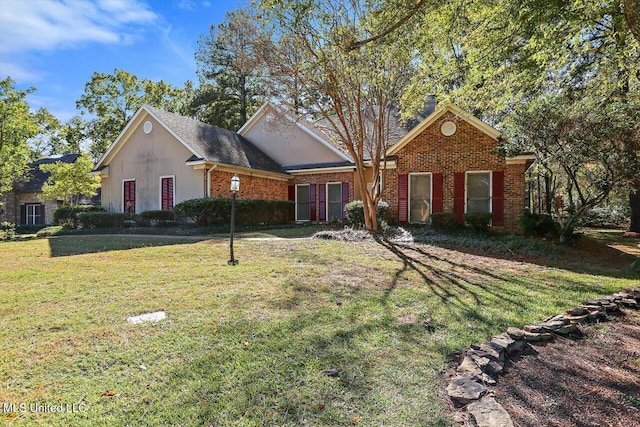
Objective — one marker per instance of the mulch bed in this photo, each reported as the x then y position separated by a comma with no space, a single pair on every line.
592,379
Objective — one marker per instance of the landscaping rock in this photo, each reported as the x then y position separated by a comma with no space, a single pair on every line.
463,389
469,366
567,329
489,413
579,319
531,337
536,329
490,350
554,325
511,346
577,311
488,365
515,333
503,341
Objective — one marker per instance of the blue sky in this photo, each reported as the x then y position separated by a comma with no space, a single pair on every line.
56,45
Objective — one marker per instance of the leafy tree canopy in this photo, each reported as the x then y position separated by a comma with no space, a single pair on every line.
67,180
17,125
114,99
231,71
353,91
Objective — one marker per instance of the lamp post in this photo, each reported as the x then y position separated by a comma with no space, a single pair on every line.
235,187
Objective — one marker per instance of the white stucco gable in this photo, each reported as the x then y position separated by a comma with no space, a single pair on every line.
288,141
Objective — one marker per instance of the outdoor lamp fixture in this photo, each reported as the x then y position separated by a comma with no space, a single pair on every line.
235,187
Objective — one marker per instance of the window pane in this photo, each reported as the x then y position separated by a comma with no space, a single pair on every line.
334,201
479,192
302,203
420,198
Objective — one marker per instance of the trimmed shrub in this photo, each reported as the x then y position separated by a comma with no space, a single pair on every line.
93,219
478,221
538,225
604,217
158,217
217,211
67,216
355,212
444,221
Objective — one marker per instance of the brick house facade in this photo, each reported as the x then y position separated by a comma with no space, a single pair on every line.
449,162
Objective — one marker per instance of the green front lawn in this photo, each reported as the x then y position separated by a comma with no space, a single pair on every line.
248,345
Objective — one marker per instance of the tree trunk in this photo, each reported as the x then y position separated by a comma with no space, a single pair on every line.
634,203
632,16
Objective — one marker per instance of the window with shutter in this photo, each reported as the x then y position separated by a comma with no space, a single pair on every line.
334,201
438,191
322,203
497,198
345,199
312,202
419,198
478,192
458,196
129,196
33,214
403,196
302,202
167,192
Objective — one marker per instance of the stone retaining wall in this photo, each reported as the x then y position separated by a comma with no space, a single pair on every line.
482,364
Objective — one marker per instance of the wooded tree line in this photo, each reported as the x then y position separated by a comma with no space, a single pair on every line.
560,79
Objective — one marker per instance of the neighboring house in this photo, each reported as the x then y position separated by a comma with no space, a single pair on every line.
448,161
23,205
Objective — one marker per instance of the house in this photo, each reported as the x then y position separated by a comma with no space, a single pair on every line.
23,205
447,162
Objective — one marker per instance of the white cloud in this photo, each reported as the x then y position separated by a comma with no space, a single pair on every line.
18,72
43,25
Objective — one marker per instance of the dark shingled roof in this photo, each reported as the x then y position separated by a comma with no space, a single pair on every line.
36,178
398,128
214,144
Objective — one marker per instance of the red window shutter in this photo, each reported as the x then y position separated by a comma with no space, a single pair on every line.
497,198
436,202
129,196
322,202
167,194
403,198
312,202
458,196
345,198
292,198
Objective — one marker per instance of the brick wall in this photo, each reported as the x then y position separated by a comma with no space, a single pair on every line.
13,201
468,149
324,178
251,187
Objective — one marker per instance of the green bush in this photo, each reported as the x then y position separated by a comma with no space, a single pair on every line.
478,221
355,212
444,221
538,225
605,217
156,218
67,216
217,211
98,219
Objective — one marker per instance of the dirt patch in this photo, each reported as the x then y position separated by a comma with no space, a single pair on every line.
589,380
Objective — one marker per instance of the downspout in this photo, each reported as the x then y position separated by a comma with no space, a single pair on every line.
208,172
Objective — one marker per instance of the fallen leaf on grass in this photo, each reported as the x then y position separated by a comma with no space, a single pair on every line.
108,393
356,419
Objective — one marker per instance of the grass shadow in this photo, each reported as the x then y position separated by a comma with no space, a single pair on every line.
61,246
610,261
